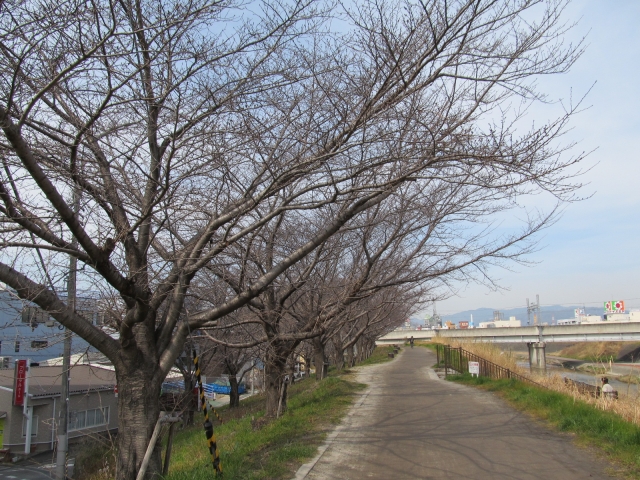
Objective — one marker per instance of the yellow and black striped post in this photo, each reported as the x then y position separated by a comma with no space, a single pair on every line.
208,426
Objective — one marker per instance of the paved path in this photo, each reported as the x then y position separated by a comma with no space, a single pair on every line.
409,424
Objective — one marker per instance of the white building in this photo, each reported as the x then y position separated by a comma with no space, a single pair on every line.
512,322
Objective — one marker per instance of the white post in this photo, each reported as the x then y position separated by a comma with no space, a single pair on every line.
27,411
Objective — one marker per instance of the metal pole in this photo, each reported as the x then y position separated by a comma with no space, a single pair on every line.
26,411
63,417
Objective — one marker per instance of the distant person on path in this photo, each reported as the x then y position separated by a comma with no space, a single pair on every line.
411,341
606,388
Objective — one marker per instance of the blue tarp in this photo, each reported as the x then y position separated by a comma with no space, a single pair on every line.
209,388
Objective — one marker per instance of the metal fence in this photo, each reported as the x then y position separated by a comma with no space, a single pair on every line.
456,360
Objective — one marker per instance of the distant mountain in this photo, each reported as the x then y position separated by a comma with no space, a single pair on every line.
549,314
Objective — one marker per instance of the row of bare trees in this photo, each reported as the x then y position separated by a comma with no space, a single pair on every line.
209,163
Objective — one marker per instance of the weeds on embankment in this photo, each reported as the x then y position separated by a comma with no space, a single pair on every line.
627,406
596,351
379,355
488,351
606,430
251,447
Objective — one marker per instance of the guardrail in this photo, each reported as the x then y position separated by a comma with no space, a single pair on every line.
457,359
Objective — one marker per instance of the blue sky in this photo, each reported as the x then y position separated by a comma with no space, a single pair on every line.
592,253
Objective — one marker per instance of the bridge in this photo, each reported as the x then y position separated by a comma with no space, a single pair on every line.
536,337
599,332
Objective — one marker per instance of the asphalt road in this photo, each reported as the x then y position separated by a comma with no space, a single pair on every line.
15,472
409,424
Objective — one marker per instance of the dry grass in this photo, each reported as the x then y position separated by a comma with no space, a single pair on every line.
595,351
627,406
490,352
629,379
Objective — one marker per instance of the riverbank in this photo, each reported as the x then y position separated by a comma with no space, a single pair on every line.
605,432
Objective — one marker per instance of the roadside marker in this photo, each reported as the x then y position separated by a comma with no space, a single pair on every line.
208,426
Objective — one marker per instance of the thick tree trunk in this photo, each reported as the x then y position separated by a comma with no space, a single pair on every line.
138,412
339,354
234,396
319,358
292,369
275,371
187,417
350,357
339,360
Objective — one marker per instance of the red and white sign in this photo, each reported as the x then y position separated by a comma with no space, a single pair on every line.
614,306
19,382
474,368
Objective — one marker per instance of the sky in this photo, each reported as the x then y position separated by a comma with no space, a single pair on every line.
592,254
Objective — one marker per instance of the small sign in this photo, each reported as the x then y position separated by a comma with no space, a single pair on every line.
474,368
19,382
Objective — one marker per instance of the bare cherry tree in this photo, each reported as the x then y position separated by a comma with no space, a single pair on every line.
147,139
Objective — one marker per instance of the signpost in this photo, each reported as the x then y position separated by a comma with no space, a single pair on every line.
19,382
21,398
474,368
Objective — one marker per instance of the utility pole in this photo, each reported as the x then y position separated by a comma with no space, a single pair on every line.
63,418
27,411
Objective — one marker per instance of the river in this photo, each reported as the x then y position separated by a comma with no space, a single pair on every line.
623,388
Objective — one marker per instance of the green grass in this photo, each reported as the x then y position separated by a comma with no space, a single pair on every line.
274,450
379,355
251,447
617,438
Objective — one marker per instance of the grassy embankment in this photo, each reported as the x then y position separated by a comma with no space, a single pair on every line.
613,426
597,351
251,448
617,438
627,407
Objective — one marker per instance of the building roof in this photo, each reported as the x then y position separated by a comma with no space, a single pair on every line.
84,358
45,381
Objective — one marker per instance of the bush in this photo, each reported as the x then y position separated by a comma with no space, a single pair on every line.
95,459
